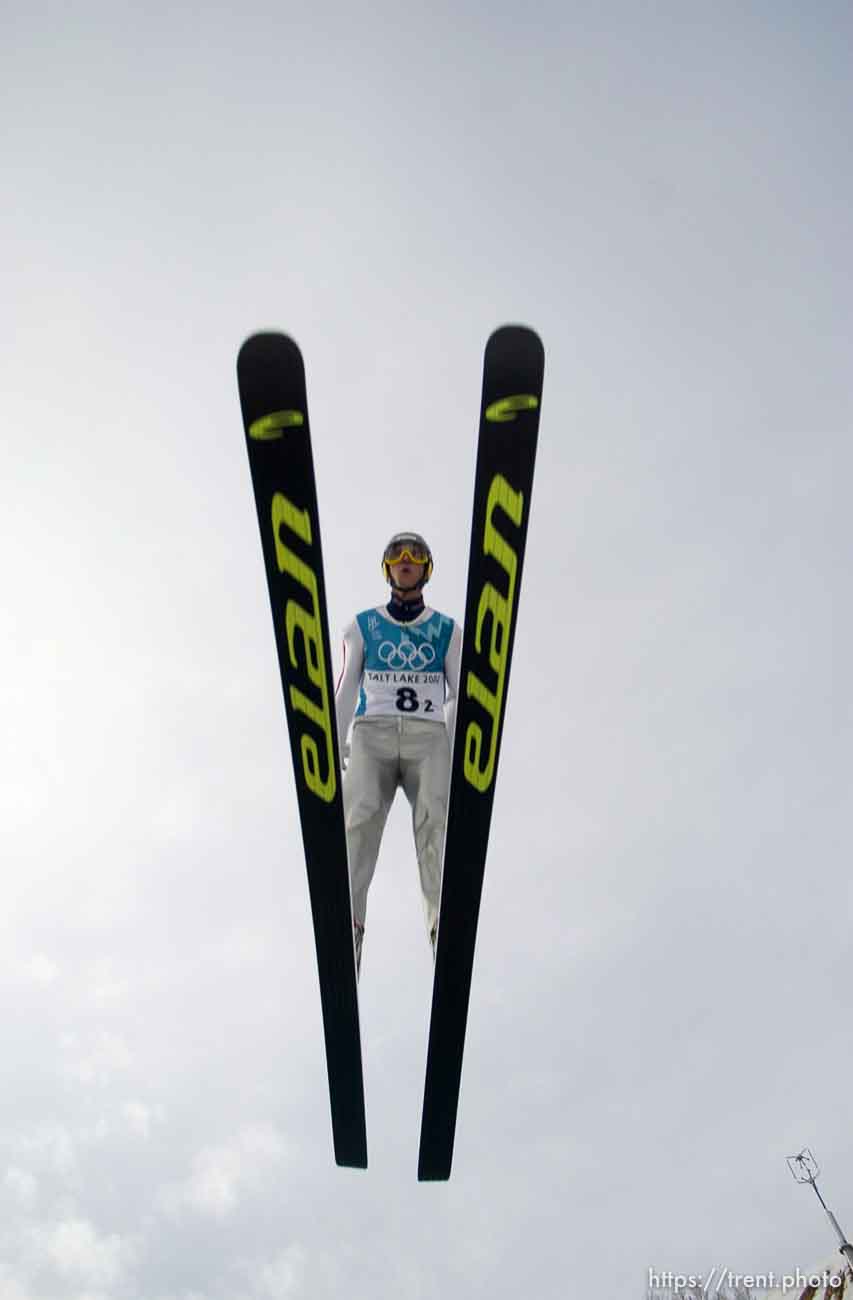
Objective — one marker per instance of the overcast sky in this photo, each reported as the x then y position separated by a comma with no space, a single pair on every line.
661,1006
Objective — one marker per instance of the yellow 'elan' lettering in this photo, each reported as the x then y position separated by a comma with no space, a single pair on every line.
298,619
272,426
498,609
507,408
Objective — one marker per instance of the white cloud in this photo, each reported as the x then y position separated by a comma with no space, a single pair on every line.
107,988
107,1055
283,1276
12,1290
242,948
80,1254
24,967
50,1145
187,1295
22,1185
223,1175
40,969
140,1117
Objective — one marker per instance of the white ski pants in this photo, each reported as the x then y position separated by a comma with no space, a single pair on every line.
387,753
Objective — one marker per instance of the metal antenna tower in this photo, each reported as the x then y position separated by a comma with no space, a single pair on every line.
805,1169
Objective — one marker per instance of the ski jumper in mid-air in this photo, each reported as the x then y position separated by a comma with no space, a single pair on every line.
398,688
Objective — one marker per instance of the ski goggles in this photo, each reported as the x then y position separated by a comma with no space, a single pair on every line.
406,548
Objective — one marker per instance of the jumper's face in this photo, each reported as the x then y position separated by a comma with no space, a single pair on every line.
406,573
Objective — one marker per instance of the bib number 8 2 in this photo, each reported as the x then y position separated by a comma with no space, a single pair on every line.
408,702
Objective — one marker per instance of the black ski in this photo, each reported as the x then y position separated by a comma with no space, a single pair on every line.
509,422
271,379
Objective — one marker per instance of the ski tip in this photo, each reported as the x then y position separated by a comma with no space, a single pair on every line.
514,346
515,331
266,343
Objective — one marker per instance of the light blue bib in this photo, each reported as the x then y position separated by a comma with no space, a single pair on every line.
403,665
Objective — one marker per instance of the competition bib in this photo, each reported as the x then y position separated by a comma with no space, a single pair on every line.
403,665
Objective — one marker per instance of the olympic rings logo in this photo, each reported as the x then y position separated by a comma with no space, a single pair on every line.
406,655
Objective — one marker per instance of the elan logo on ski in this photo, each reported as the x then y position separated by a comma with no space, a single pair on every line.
499,609
507,408
312,673
273,426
